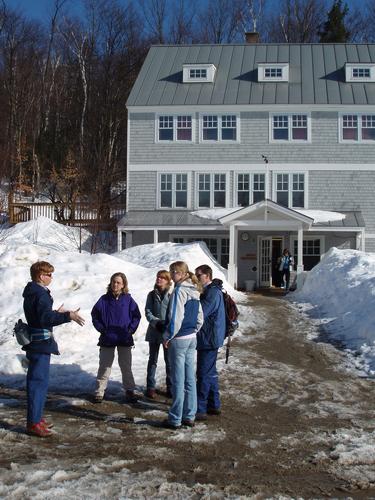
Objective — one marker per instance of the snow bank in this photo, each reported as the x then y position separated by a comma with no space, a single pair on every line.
79,280
341,293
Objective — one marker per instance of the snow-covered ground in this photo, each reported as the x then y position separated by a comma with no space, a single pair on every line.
79,280
340,293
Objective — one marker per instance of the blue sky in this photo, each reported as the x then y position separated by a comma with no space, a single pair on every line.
41,9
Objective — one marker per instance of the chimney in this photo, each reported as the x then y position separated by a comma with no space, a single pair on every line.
252,37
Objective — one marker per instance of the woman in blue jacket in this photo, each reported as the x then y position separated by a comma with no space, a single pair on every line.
116,316
156,310
185,317
41,319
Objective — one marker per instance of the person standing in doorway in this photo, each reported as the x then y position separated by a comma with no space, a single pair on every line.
209,339
41,319
116,317
156,310
286,262
185,317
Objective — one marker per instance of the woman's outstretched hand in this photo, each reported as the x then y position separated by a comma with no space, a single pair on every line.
74,316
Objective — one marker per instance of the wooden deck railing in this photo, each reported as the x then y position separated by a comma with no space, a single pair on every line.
82,213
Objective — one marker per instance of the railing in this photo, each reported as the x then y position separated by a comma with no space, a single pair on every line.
81,213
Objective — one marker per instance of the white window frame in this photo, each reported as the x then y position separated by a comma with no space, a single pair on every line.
359,128
251,190
188,191
263,67
349,73
290,128
320,237
210,70
218,237
219,128
212,191
175,128
290,188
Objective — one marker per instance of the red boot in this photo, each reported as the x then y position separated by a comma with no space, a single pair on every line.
38,430
47,425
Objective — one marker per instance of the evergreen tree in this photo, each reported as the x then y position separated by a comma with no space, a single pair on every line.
334,30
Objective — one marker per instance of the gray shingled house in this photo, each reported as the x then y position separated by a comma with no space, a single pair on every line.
253,148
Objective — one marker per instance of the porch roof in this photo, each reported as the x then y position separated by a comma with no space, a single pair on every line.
163,219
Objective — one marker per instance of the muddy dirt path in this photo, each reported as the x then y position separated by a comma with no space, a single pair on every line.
288,404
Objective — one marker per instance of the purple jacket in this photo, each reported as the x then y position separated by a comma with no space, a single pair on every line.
116,320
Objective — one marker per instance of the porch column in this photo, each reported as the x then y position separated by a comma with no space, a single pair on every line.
300,258
233,247
360,241
156,236
119,240
128,239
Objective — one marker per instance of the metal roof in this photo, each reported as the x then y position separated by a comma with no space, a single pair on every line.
316,75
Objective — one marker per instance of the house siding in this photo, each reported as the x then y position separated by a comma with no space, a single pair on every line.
254,133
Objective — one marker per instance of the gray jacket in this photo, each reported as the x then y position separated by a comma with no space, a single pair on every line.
156,310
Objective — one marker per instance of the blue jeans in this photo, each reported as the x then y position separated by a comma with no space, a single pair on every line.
37,385
152,364
207,381
184,391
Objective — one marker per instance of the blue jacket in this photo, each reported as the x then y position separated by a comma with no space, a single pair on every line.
185,316
156,311
116,319
37,306
212,333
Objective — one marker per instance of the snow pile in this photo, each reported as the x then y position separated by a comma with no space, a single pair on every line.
341,294
79,280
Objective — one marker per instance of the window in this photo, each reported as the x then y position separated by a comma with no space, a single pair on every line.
198,73
290,190
211,190
250,189
273,72
218,246
357,127
311,252
359,72
290,128
175,128
173,190
219,128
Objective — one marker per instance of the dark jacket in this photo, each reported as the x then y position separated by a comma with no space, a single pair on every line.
37,306
212,333
116,319
156,311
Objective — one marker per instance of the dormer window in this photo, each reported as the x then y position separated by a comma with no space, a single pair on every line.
198,73
360,72
273,72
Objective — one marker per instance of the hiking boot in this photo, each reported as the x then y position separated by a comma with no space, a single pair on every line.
168,425
131,397
200,417
151,393
38,430
97,399
47,425
214,411
188,423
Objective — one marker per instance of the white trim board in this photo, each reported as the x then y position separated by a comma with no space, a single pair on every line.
236,108
253,167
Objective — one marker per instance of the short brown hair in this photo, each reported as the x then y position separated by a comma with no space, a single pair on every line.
40,267
124,280
204,269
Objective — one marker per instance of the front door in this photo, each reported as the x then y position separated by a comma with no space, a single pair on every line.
270,251
265,277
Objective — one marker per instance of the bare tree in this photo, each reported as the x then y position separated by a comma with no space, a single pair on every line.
251,14
182,25
297,21
155,15
219,21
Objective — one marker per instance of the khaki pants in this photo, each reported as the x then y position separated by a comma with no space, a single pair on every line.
106,357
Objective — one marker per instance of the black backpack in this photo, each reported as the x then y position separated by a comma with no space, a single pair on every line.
231,314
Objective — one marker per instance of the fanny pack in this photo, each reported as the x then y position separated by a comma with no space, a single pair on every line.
26,334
